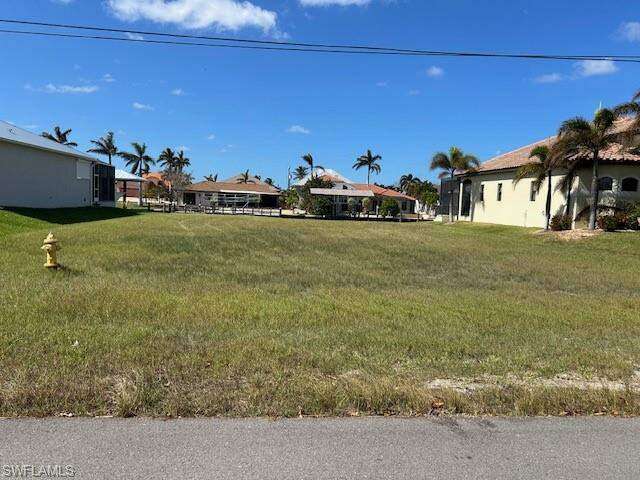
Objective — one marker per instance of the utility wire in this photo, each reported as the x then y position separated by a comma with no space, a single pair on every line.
289,46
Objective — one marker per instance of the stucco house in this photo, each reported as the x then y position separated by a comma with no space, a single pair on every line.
37,172
490,195
343,189
231,193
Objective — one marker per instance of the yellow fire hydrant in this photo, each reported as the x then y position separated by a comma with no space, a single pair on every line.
51,247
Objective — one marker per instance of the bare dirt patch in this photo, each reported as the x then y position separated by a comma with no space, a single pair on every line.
570,235
564,380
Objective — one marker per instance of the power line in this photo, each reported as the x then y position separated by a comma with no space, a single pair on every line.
289,46
311,45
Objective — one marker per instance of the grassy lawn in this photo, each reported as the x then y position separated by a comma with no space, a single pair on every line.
158,314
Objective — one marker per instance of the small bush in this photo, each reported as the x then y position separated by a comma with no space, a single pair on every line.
561,222
608,223
367,205
321,206
633,214
353,207
389,208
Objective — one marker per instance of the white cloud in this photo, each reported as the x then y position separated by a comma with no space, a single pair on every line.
107,77
134,36
382,84
211,136
590,68
414,93
328,3
630,31
142,106
178,92
51,88
194,14
64,2
549,78
183,148
298,129
435,72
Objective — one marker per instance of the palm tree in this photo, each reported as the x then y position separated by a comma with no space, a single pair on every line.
407,181
540,170
167,159
370,161
104,146
311,162
630,136
211,177
456,160
181,161
245,178
60,136
300,172
590,138
138,161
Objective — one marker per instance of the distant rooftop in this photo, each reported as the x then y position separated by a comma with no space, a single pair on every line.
325,173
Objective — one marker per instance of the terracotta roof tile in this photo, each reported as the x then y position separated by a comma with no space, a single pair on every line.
519,157
381,191
257,187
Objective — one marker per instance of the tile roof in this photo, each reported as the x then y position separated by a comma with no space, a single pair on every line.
13,134
382,192
223,187
520,156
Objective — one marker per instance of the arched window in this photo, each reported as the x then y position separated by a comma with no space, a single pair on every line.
605,184
629,184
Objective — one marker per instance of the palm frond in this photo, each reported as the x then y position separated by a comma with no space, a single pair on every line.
441,161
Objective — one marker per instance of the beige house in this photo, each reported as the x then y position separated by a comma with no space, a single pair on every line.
490,194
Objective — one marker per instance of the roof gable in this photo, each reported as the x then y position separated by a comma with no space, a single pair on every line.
12,134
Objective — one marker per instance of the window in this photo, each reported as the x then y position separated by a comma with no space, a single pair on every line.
605,184
630,184
499,192
404,205
533,193
482,192
83,170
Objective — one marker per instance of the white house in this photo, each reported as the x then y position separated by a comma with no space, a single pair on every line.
344,189
37,172
490,195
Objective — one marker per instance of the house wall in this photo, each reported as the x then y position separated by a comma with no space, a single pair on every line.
516,208
35,178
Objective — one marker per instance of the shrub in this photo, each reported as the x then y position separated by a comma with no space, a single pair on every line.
367,205
633,214
389,208
290,199
608,223
353,206
561,222
321,206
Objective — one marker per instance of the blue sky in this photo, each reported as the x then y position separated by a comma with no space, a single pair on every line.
235,110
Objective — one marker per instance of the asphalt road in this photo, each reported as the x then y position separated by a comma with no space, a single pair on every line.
368,448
